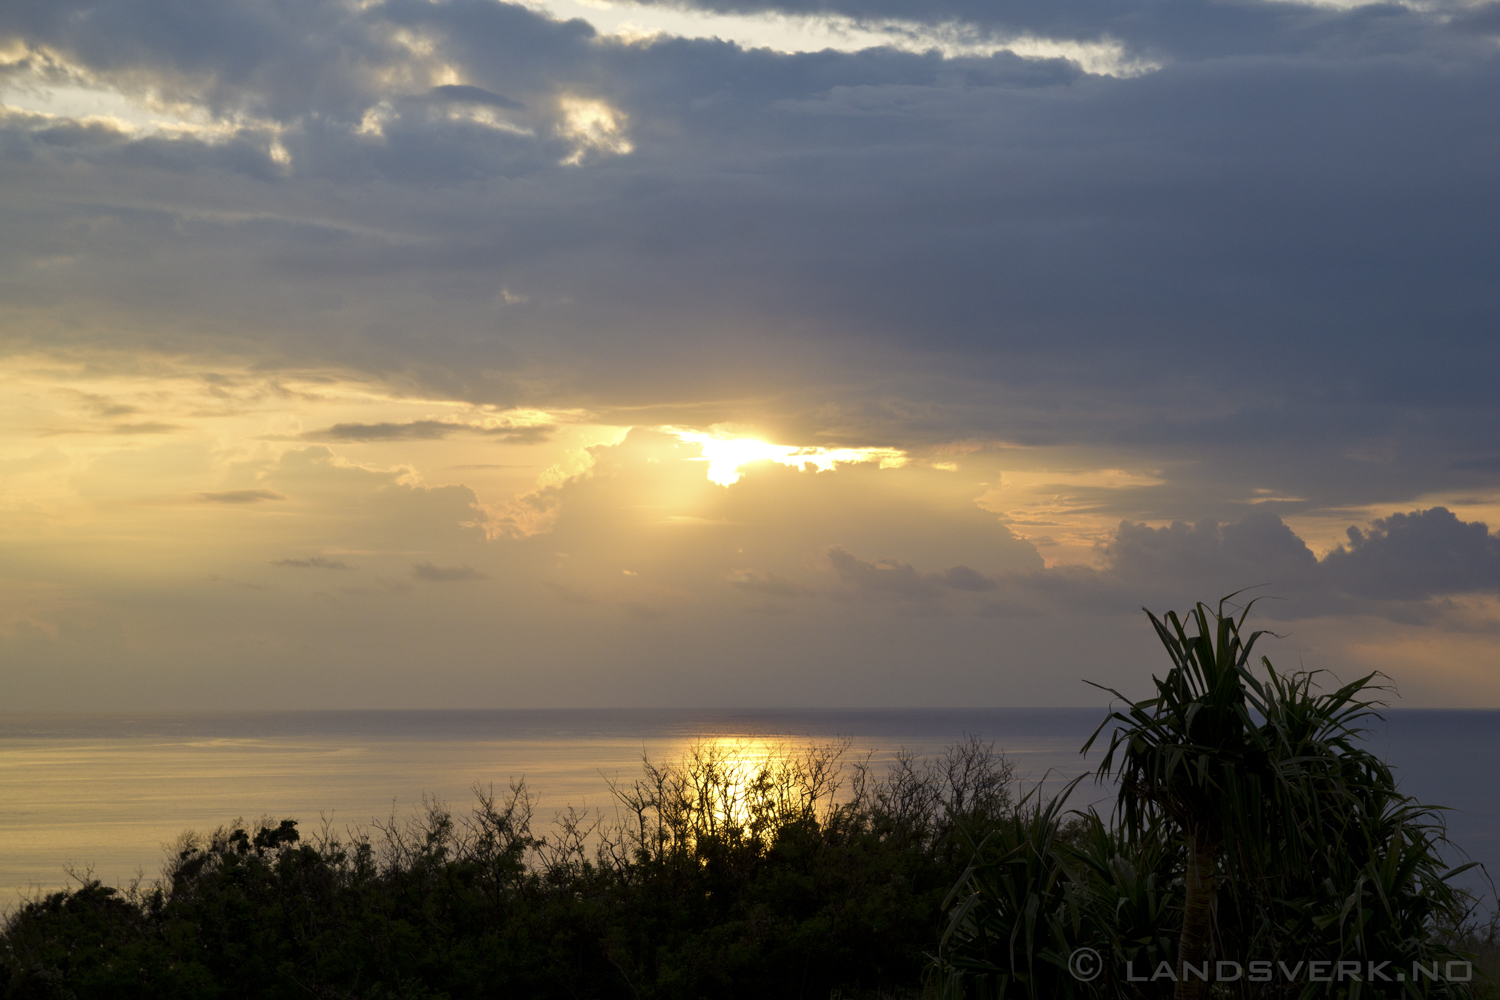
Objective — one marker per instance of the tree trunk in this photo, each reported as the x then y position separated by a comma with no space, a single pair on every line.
1195,944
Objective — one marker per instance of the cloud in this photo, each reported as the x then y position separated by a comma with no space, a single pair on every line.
465,94
416,430
1411,557
352,508
313,562
1258,549
427,430
446,574
103,406
1388,570
964,578
1128,188
767,584
239,496
1255,279
899,579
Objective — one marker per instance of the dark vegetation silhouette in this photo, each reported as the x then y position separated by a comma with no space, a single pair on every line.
1250,824
728,874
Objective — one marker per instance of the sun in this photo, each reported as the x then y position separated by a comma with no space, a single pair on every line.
727,456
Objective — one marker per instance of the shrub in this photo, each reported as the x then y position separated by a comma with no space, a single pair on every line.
1252,824
731,873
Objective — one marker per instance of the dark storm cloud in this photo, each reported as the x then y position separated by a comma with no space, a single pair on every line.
1417,555
1265,263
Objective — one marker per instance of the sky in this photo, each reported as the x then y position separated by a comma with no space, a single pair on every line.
394,353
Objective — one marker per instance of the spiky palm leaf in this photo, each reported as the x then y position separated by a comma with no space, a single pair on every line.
1266,780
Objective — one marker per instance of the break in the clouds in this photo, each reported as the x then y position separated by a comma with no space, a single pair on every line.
750,351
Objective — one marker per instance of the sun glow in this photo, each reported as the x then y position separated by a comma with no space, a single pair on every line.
593,126
738,786
728,456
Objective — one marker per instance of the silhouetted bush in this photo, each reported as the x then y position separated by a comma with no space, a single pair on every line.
728,874
737,874
1253,826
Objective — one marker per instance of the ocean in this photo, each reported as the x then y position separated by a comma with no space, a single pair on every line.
107,794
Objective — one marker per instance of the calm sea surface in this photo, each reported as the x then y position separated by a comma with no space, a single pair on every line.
109,791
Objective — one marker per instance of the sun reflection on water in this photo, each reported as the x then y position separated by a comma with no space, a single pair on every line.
732,789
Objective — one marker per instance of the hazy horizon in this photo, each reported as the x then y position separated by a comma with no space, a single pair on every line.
114,790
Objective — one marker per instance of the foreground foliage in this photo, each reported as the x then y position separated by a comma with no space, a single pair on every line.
798,874
1253,825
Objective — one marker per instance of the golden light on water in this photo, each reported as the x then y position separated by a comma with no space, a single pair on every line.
728,456
734,771
736,786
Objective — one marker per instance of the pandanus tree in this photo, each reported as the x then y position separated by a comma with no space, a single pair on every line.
1259,775
1251,825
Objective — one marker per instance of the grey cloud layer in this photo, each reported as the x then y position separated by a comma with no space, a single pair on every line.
1268,260
239,496
425,430
1389,569
313,562
446,574
1417,555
